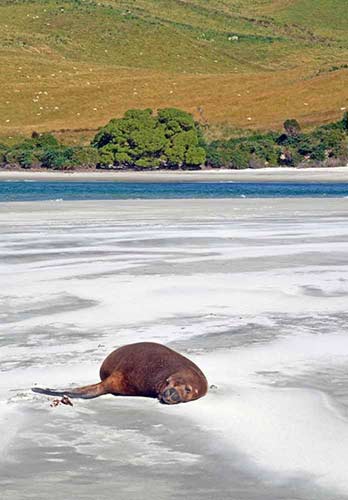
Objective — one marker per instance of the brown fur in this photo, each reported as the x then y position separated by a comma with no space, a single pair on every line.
143,369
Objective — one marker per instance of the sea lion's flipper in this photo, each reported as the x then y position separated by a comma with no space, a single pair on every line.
87,392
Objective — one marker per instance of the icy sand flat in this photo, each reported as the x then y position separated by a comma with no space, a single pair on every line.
254,291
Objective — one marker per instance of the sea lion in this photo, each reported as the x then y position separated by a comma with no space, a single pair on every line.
143,369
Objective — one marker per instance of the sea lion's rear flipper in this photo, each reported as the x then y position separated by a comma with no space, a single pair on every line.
87,392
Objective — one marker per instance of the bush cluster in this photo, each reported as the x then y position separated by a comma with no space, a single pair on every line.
326,145
172,139
44,150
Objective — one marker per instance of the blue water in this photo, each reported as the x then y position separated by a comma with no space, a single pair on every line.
37,190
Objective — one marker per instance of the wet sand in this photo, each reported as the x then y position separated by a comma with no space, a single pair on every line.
336,174
254,291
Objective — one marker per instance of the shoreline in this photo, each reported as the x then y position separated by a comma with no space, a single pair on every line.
281,174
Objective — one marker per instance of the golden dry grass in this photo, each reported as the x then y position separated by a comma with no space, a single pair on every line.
65,78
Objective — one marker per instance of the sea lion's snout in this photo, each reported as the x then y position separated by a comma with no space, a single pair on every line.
170,396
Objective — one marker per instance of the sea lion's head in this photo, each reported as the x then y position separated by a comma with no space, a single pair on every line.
183,386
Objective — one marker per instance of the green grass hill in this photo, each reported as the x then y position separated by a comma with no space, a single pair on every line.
234,64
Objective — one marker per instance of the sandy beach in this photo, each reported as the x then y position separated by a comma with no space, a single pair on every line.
254,291
336,174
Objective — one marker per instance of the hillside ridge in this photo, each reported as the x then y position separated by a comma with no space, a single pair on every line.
75,64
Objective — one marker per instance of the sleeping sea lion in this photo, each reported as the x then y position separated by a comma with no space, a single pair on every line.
143,369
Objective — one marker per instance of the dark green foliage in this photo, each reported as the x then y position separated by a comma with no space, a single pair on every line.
175,120
214,155
24,154
254,152
292,127
289,149
345,121
28,158
44,150
195,156
329,141
140,139
171,139
46,141
86,157
57,158
3,150
289,157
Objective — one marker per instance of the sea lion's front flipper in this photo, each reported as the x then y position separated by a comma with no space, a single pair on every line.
87,392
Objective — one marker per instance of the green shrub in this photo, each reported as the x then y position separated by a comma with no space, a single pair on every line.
345,121
23,154
170,139
148,162
87,157
239,159
213,156
45,140
106,157
292,127
3,151
58,158
175,120
195,156
28,158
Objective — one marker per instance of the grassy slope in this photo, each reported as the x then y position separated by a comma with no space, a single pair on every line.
74,64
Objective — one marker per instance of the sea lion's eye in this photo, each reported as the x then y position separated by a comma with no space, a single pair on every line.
187,389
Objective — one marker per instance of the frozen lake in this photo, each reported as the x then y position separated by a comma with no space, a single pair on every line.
255,291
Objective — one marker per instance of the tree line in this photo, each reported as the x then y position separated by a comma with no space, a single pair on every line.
172,139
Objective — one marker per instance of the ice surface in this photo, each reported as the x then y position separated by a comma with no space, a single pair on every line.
254,291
